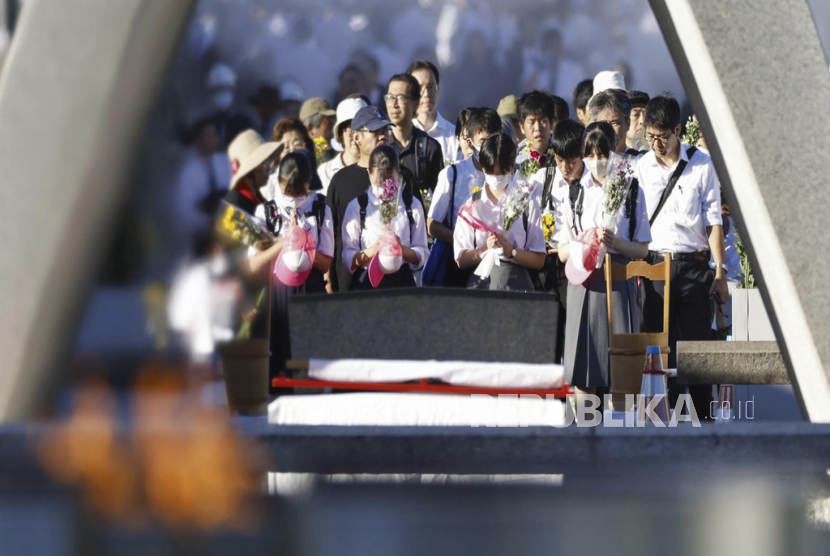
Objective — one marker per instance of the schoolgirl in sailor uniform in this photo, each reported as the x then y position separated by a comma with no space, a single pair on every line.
523,245
586,357
363,226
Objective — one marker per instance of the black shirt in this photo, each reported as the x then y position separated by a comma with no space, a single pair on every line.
426,173
347,185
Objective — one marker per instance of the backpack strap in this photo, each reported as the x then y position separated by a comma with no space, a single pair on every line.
318,211
363,202
681,165
421,160
407,203
631,208
448,219
546,190
576,194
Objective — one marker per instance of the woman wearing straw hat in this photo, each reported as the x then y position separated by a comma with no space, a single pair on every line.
250,159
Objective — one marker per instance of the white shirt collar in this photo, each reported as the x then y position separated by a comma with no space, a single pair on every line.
440,122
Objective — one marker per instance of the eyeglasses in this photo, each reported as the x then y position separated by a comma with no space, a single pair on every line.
384,131
659,139
392,99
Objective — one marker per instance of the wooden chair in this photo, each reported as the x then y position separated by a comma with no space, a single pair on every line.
628,351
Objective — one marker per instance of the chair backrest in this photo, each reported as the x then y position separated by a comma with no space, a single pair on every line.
660,272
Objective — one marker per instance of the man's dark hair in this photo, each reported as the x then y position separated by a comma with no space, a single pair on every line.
414,90
536,103
560,108
482,120
461,122
362,97
600,137
498,149
583,93
662,112
424,64
566,139
615,100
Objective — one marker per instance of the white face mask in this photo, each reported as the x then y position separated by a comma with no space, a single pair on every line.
476,151
222,100
597,166
294,202
499,183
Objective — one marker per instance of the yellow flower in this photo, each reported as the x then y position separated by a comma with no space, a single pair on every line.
548,224
476,190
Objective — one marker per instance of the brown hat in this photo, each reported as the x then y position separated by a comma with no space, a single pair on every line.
247,152
314,106
508,108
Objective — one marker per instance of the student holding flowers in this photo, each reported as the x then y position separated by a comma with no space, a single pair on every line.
499,230
384,216
605,210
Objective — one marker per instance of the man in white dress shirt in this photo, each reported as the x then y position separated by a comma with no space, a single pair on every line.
685,223
427,117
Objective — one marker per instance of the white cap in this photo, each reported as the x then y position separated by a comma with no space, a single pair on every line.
390,264
221,75
297,261
346,111
608,80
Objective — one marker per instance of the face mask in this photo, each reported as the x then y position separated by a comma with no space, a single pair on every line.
476,152
499,183
294,202
223,100
598,167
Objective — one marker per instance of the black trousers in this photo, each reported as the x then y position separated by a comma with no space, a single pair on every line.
552,280
690,318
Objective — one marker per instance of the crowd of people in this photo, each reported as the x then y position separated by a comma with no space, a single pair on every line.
363,196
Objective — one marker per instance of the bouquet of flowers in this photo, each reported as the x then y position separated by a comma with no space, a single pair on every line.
535,160
320,147
692,135
516,204
616,191
548,225
238,226
388,201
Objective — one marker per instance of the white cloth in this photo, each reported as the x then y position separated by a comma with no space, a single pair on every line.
327,170
324,241
593,214
443,131
694,204
401,409
355,239
466,238
457,373
466,179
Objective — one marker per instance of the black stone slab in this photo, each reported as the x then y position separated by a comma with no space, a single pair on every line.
424,323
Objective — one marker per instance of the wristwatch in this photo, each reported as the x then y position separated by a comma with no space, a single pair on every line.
723,266
513,253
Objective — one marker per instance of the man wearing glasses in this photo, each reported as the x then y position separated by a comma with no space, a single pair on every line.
682,195
427,116
418,152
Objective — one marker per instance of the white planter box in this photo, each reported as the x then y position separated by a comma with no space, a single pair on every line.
749,317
